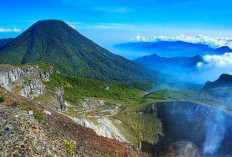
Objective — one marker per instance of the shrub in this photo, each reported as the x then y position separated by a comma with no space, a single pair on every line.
38,115
68,146
2,99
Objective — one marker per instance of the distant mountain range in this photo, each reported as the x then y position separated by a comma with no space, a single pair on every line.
225,80
177,66
172,48
56,43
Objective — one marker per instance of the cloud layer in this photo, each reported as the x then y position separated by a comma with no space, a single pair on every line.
215,65
10,30
199,39
202,39
140,38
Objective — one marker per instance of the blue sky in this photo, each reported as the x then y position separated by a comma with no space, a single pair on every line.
113,21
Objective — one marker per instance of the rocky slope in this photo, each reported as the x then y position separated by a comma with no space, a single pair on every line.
28,81
22,134
31,81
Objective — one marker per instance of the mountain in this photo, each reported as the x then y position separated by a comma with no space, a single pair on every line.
169,48
225,80
224,49
5,41
174,65
56,43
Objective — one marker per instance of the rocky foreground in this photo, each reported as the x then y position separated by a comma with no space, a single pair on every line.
23,134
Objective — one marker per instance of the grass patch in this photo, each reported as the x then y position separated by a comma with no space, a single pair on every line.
140,127
17,89
37,114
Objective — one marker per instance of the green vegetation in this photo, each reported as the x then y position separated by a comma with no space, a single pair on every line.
2,98
17,89
55,43
42,65
68,146
140,127
143,85
37,114
77,89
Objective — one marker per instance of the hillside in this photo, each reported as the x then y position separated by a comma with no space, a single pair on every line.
28,129
225,80
5,41
56,43
96,117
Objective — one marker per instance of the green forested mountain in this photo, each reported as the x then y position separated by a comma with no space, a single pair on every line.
55,43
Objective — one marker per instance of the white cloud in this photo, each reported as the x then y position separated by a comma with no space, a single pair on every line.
202,39
222,61
213,66
199,39
107,27
72,25
140,38
10,30
199,64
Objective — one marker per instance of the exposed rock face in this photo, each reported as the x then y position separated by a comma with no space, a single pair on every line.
59,96
103,127
26,81
91,103
33,89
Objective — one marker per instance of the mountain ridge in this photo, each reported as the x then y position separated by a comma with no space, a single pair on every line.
224,80
171,48
55,43
157,63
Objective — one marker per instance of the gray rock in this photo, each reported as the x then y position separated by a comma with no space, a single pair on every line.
8,127
30,113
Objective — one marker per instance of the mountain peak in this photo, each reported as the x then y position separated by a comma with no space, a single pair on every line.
50,21
51,24
56,43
